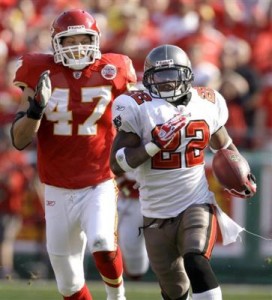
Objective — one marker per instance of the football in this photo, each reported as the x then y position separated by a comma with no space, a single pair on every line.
230,169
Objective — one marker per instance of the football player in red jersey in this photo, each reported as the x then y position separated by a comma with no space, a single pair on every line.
66,104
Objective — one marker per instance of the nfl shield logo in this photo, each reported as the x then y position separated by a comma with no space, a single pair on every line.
77,75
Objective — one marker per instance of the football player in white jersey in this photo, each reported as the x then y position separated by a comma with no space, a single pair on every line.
162,134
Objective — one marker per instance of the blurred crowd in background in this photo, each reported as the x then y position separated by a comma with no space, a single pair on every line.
228,42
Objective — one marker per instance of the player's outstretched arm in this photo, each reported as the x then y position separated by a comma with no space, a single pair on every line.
30,112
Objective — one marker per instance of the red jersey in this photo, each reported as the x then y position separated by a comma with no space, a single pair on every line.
76,132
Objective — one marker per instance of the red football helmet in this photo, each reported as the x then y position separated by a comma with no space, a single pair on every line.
74,22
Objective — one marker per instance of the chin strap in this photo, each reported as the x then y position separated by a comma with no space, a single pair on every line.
184,100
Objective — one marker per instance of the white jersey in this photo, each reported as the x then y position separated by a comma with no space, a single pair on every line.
174,178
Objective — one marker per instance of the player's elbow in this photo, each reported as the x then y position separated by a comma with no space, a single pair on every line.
116,169
17,142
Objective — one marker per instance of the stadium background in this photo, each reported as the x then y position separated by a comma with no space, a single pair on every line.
24,26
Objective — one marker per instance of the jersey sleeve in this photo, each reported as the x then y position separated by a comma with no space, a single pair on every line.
131,74
222,111
126,72
29,69
22,72
125,114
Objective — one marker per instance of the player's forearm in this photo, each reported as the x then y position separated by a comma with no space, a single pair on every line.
136,156
133,158
23,131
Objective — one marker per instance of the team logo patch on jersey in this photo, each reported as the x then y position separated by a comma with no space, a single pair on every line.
77,74
109,72
117,122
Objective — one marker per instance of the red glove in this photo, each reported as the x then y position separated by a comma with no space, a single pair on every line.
250,188
164,134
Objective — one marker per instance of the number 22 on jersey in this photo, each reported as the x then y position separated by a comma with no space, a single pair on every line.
196,132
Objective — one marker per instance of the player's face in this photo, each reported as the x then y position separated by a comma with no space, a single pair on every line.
166,79
76,40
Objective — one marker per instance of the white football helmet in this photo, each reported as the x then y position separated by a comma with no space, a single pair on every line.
167,73
74,22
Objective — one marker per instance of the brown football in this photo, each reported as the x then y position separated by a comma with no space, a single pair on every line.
231,169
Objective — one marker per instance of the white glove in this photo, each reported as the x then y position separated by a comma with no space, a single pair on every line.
43,89
41,97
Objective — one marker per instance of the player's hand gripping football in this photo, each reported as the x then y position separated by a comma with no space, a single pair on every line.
43,89
250,188
167,131
41,97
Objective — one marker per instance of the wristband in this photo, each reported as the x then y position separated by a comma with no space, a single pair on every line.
121,160
35,111
229,141
152,149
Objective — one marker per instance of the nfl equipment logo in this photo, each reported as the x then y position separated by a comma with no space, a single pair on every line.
109,72
77,75
117,122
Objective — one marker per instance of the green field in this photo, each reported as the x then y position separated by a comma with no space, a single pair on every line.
46,290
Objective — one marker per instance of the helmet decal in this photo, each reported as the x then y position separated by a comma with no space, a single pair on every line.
165,63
